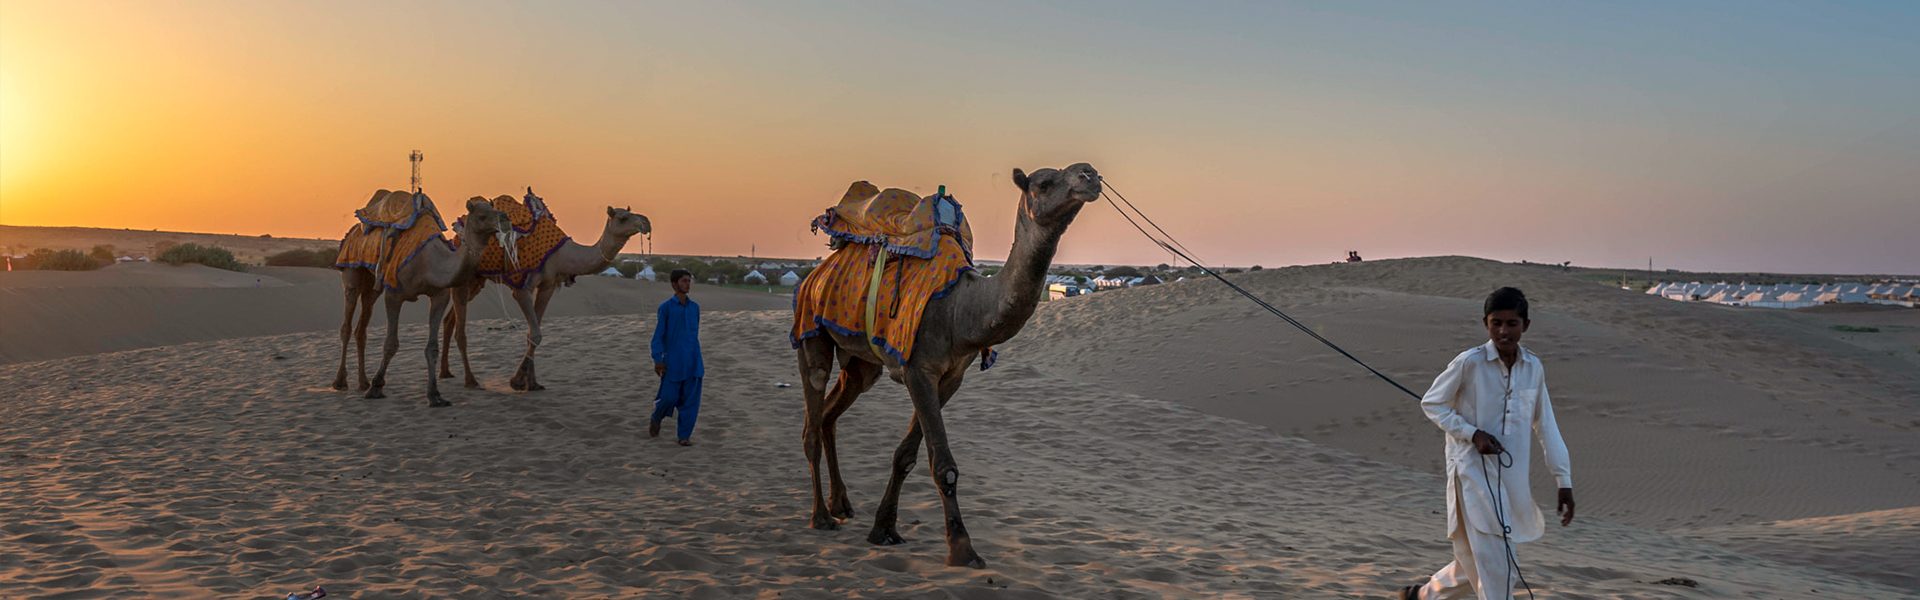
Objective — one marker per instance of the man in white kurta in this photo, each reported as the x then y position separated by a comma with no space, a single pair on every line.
1503,401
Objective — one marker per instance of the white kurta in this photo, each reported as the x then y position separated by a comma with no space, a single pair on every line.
1477,393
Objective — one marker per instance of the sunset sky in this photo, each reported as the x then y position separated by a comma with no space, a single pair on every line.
1731,136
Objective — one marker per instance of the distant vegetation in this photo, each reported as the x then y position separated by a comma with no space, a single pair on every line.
299,257
212,256
1856,329
60,260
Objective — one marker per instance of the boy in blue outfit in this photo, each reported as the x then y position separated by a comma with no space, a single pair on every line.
676,359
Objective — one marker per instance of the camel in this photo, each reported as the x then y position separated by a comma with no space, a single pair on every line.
979,313
568,261
431,272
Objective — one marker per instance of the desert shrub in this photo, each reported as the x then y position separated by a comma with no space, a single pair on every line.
212,256
61,260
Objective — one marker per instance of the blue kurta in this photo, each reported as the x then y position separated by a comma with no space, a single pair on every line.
676,340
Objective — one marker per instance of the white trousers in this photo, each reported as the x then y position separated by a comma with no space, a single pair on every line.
1479,564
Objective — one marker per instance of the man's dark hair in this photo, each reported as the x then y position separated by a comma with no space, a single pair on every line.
1507,298
675,276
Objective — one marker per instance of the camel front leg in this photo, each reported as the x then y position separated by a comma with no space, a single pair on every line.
856,377
539,316
346,335
436,310
815,359
393,345
887,517
367,296
524,298
925,389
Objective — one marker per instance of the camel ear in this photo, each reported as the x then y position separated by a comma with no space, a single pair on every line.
1020,179
609,211
529,190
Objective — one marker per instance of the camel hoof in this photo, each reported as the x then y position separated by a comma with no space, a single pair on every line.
340,384
473,384
971,561
364,386
375,394
517,384
885,538
842,511
824,524
535,387
438,403
446,374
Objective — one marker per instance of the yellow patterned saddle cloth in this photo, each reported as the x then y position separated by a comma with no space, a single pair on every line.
536,235
393,227
928,247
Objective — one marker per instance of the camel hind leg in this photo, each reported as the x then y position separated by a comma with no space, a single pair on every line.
369,292
856,377
816,363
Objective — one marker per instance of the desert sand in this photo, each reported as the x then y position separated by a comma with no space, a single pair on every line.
51,314
1161,442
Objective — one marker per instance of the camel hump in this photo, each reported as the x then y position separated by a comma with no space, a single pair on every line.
860,191
521,215
398,211
899,219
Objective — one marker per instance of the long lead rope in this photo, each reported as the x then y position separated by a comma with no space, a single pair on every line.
1174,247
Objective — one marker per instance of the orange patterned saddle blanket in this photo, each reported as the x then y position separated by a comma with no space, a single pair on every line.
536,236
393,227
929,246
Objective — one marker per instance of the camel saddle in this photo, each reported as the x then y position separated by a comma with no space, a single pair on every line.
893,253
902,222
392,212
391,231
536,236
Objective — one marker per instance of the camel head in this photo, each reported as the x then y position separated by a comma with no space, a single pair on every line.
1052,197
482,221
623,223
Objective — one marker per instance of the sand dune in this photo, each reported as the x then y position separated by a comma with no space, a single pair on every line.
262,480
54,314
1678,414
1162,442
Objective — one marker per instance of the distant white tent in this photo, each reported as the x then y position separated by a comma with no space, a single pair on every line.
611,272
754,277
790,279
646,274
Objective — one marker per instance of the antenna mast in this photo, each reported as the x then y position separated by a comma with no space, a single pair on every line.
415,158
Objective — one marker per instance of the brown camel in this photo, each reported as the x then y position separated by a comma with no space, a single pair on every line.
436,268
567,261
979,313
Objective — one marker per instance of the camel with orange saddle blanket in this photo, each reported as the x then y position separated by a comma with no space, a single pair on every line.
396,250
544,259
899,294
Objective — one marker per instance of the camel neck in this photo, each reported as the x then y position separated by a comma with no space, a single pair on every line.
455,272
1021,282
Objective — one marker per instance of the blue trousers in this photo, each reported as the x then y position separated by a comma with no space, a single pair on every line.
683,395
